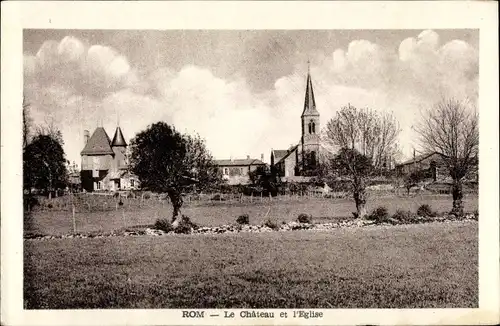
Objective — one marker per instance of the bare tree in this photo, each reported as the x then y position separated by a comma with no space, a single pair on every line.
365,140
451,128
26,123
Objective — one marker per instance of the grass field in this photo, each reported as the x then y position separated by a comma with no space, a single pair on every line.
427,265
54,222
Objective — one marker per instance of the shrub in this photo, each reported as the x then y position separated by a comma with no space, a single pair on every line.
146,195
271,224
425,211
185,225
304,218
163,224
404,216
243,219
379,215
217,197
476,214
120,203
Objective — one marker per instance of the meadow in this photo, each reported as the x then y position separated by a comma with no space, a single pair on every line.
409,266
103,214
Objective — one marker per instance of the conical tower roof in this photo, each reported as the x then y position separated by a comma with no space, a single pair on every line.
309,102
118,139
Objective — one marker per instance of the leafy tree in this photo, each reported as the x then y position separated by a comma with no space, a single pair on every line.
44,164
26,123
366,140
451,128
167,161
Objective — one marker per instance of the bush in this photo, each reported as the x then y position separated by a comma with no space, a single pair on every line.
304,218
271,224
243,219
185,225
217,197
476,214
404,216
163,224
379,215
425,211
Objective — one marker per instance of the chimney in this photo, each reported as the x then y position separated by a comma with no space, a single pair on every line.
85,137
262,157
248,157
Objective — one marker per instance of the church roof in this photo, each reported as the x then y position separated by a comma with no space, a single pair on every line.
287,153
279,154
118,139
309,102
98,144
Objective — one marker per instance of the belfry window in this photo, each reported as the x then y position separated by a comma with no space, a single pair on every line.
312,127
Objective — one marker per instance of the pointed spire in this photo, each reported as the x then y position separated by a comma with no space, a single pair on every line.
118,139
309,102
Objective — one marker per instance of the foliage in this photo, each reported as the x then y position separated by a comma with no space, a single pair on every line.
271,224
403,216
451,128
243,219
168,162
44,164
266,179
164,225
414,178
425,211
380,215
185,225
304,218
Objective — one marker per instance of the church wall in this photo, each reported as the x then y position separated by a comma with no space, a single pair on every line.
290,163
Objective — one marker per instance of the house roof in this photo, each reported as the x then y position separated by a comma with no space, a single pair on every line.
98,144
239,162
118,139
418,158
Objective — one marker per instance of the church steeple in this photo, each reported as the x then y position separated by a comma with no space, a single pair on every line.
309,102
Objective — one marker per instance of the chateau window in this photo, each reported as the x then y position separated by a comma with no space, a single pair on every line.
98,185
132,182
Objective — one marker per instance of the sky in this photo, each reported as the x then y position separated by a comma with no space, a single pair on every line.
240,90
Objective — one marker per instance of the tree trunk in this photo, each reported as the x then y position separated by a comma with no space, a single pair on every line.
176,200
359,198
458,208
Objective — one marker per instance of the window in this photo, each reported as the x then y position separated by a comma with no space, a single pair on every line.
132,182
312,127
226,171
98,185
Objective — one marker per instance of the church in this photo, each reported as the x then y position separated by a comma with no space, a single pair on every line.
301,159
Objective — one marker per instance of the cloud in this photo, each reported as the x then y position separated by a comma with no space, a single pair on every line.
80,85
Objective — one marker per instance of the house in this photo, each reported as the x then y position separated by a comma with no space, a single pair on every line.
105,162
235,171
304,156
434,162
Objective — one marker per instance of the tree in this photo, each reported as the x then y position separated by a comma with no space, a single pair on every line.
450,127
167,161
44,165
366,140
26,123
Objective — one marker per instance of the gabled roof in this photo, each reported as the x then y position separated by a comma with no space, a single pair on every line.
309,102
278,154
419,158
239,162
288,152
98,144
118,139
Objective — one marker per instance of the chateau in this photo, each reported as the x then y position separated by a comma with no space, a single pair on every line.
303,157
105,162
